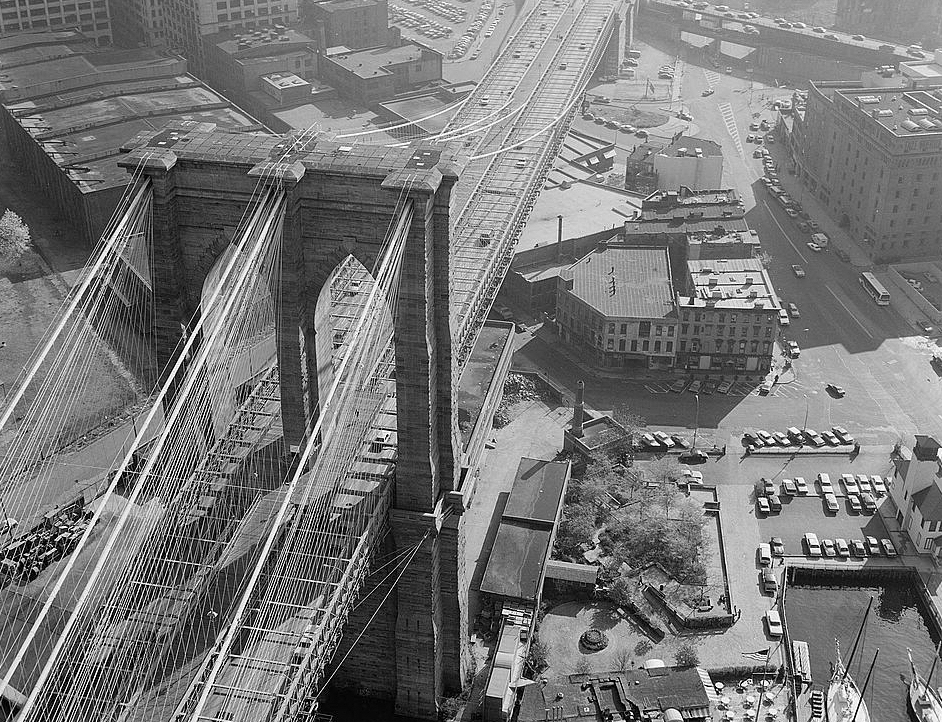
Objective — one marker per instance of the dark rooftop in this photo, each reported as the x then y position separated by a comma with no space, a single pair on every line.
636,691
537,490
624,281
515,565
929,502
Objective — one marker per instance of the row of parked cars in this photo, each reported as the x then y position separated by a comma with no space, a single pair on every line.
793,436
860,548
698,386
861,491
471,34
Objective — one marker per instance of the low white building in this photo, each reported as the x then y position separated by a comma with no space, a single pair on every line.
917,492
691,162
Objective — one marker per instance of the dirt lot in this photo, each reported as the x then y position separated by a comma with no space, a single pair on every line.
31,292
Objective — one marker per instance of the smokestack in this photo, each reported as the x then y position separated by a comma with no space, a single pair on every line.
578,411
559,237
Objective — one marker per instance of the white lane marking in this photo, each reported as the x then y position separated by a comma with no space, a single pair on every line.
775,220
851,313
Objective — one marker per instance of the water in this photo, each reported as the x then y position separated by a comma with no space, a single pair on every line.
818,615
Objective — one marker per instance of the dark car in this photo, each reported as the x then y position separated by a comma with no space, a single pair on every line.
679,441
835,390
778,546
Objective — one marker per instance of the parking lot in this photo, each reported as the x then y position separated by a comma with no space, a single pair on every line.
808,514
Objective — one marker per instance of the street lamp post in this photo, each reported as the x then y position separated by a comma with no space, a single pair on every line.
696,423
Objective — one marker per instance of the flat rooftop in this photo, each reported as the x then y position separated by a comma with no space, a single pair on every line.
260,43
740,283
904,113
478,375
537,490
376,61
586,208
65,101
691,144
624,281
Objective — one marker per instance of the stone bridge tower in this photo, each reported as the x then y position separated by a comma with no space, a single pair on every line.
340,201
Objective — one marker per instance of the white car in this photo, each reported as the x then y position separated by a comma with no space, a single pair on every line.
664,439
850,484
814,246
798,271
773,622
812,544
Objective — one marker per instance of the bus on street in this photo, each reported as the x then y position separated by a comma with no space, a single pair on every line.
876,290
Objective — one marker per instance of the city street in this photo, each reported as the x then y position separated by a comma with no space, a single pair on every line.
845,338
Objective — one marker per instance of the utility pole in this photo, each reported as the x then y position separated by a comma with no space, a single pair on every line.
696,423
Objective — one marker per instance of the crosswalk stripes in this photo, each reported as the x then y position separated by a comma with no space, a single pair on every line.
657,388
729,118
712,77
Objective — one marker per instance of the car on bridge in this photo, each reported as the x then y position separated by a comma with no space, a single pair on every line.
858,38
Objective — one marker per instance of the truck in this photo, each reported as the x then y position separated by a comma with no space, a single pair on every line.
821,239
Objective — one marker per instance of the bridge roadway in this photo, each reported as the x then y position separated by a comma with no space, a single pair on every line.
725,25
510,160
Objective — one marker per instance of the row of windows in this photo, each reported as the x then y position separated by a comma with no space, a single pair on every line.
721,330
644,329
645,345
720,317
696,347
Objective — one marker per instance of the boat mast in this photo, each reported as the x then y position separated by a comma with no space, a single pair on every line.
932,668
863,689
863,623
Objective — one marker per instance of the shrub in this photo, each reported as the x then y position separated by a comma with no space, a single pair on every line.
537,659
582,666
643,647
687,656
14,236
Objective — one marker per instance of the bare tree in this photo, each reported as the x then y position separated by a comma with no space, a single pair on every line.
623,660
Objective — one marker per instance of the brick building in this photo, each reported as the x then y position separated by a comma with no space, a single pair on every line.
873,156
729,319
689,162
69,138
237,65
353,24
90,17
369,76
617,304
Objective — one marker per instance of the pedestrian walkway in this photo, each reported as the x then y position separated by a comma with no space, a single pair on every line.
729,118
712,77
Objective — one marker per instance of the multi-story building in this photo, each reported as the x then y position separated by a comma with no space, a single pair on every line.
181,24
243,66
65,117
904,21
617,305
91,17
873,156
353,24
640,175
689,162
916,490
369,76
729,319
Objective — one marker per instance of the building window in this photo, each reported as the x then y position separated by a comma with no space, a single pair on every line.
624,329
684,328
644,329
670,330
683,345
645,345
755,330
670,347
928,544
621,344
611,344
611,328
686,315
634,345
658,330
742,347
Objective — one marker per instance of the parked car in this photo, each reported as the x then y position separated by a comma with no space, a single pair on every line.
766,437
888,547
814,246
873,547
813,437
768,486
764,553
773,623
841,433
679,441
775,503
801,486
781,439
789,488
827,548
765,388
694,388
843,549
649,440
724,387
830,438
812,545
850,484
857,548
793,310
778,546
868,502
664,439
830,502
835,390
863,481
708,387
824,481
762,503
879,486
752,440
769,581
678,386
794,350
692,476
854,501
